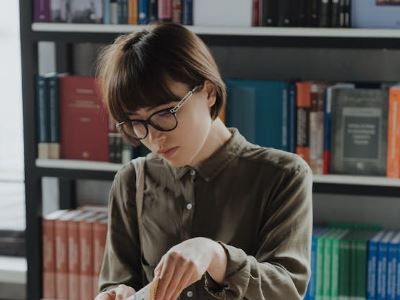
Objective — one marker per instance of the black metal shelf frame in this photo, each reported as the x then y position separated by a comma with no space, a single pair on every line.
68,177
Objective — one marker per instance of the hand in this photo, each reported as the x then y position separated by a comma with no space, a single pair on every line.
120,292
185,264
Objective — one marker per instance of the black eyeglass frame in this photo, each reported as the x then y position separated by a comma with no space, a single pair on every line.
172,110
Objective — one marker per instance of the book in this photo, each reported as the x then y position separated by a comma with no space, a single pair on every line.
256,106
49,253
393,148
312,13
84,11
165,10
256,12
54,116
82,112
372,14
324,13
106,12
144,7
58,11
335,13
292,118
42,117
382,265
123,12
285,13
269,12
134,12
359,131
146,293
153,10
392,261
209,12
316,127
41,11
303,104
372,264
113,12
99,242
177,11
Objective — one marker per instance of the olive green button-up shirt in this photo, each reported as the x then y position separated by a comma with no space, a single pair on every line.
256,202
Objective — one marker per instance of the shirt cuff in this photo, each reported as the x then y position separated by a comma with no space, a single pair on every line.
237,274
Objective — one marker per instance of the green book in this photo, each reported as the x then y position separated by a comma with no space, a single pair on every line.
344,267
319,282
327,257
336,263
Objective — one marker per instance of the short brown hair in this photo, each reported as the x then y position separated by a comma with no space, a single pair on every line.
133,71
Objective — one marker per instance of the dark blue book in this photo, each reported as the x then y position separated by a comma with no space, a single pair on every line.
54,116
43,116
187,12
144,10
292,118
372,265
259,109
393,248
382,266
153,10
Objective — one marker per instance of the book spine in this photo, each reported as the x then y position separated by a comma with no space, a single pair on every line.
362,269
327,273
54,117
285,118
99,241
144,6
48,262
301,13
165,10
106,12
319,284
61,237
324,13
372,270
393,151
344,269
284,13
312,13
316,134
187,12
177,11
41,11
391,274
342,13
255,15
327,131
122,11
153,10
382,271
335,13
134,13
292,118
398,273
303,114
353,269
347,14
269,12
43,132
335,270
86,257
73,260
113,12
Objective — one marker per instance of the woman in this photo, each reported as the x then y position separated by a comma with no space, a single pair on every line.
222,218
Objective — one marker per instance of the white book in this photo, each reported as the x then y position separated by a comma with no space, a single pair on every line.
222,13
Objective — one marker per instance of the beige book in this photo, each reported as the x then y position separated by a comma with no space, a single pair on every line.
146,293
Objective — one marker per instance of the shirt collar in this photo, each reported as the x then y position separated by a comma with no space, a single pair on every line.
213,165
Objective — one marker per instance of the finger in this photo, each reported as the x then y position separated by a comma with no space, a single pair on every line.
187,279
109,295
159,267
123,292
180,270
167,272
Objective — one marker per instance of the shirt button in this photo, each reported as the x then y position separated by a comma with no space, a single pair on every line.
189,294
189,206
192,172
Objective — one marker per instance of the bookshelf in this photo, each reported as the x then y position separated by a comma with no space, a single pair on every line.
68,171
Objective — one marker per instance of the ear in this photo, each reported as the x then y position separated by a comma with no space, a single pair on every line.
211,93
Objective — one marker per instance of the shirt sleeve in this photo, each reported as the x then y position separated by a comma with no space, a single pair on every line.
121,260
281,267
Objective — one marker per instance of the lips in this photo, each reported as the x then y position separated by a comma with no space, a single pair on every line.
167,152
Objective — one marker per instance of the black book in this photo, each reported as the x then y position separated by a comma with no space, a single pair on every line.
324,13
300,13
269,12
285,13
312,13
153,11
335,22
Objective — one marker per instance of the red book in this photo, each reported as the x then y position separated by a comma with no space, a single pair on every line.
84,121
177,11
99,242
86,256
165,10
255,19
49,254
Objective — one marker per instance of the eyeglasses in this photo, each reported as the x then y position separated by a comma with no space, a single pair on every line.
162,120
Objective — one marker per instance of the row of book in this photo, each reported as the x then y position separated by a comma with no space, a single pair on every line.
341,128
73,248
72,122
354,264
283,13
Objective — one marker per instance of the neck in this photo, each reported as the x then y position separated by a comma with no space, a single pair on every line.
217,137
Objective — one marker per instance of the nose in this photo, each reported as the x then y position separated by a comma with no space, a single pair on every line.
155,136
